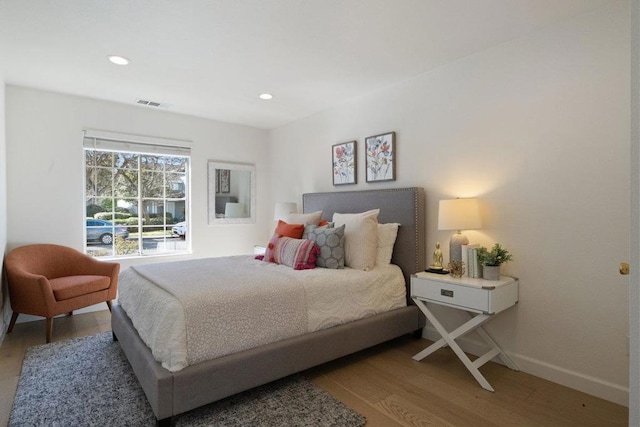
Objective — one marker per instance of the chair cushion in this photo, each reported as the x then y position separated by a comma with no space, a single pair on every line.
74,286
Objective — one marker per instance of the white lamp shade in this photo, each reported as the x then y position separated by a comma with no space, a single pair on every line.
283,209
459,214
234,210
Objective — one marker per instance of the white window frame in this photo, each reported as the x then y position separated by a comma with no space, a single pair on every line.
141,145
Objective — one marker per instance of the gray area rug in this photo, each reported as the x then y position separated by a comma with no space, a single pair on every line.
88,382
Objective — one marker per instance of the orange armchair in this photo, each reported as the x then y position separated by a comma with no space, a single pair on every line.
48,280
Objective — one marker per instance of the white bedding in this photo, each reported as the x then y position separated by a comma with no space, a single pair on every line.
191,311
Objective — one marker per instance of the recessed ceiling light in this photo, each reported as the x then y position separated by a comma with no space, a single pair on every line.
266,96
118,60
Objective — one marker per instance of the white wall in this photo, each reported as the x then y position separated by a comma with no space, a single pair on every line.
3,210
45,167
538,129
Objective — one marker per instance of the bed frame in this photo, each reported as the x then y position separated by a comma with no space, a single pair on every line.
170,393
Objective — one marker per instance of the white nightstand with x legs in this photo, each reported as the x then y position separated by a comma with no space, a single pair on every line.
485,298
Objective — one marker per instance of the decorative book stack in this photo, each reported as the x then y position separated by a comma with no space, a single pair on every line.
470,258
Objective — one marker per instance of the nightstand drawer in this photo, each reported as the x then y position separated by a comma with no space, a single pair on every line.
477,295
450,294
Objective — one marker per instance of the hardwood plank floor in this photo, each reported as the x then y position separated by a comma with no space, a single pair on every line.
384,384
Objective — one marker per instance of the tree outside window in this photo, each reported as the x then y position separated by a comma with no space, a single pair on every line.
135,203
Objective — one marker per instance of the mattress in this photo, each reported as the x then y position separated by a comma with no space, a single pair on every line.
190,311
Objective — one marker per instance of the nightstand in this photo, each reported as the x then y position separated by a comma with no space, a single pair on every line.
485,298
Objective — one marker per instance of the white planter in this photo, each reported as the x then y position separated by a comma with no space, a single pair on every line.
491,272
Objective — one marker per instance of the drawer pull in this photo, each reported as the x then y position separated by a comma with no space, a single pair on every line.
446,293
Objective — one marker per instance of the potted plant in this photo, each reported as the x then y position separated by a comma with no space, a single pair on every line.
492,259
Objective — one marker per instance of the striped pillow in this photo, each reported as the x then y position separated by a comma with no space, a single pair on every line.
269,255
283,229
300,254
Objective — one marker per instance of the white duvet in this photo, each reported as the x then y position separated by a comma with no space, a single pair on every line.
191,311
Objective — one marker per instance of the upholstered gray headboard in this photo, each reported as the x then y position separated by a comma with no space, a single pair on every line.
402,205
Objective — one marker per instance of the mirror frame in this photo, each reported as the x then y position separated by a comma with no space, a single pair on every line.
212,166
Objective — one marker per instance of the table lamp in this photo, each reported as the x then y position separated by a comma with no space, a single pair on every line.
458,214
283,209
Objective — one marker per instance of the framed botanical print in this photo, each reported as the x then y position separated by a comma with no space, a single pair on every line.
344,163
381,157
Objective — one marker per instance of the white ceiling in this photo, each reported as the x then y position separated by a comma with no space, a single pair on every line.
212,58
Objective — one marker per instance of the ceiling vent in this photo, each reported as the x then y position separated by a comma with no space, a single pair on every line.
151,103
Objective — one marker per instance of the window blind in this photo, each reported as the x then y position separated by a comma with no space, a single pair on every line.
110,141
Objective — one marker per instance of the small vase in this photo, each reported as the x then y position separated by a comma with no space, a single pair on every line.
491,272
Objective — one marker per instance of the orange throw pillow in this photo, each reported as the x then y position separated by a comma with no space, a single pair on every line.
289,230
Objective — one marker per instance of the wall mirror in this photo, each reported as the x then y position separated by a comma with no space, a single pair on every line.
232,193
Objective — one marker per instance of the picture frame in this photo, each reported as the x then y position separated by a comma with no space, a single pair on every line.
344,163
217,173
380,155
225,181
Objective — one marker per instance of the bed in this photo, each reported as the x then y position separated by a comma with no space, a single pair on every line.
171,393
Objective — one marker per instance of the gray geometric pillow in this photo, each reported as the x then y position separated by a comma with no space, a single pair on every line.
309,227
331,244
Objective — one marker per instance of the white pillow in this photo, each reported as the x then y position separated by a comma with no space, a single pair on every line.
306,219
360,238
387,234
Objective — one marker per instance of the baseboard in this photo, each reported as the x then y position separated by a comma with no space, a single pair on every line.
587,384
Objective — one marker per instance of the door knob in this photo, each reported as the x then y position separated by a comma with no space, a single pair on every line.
624,268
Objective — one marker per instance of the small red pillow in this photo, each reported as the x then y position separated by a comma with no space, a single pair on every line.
323,223
289,230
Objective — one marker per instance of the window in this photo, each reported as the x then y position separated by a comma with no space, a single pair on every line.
136,196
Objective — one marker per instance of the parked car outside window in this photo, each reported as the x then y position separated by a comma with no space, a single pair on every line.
179,230
99,230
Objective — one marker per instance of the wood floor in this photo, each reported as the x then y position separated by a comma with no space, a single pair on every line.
384,384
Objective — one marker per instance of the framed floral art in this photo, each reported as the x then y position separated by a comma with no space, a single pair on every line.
380,157
344,163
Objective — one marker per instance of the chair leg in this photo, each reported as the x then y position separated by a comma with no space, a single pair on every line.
109,305
49,330
14,317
